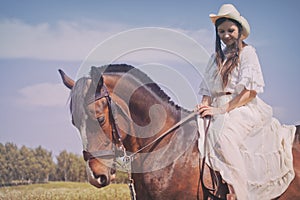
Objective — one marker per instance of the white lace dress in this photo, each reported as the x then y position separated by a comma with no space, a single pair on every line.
250,148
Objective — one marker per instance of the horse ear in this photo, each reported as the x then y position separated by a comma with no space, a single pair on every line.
69,83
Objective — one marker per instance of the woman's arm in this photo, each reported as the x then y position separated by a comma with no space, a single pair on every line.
241,99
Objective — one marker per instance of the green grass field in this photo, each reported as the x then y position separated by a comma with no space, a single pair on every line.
65,191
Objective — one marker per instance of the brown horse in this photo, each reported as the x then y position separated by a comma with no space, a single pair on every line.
119,108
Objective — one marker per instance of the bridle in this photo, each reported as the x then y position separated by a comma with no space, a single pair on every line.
115,152
208,192
116,136
120,151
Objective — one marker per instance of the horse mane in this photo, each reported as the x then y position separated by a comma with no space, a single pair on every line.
84,88
142,77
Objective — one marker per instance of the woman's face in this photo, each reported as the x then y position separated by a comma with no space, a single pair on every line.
228,32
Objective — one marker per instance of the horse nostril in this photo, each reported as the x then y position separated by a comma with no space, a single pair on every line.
102,179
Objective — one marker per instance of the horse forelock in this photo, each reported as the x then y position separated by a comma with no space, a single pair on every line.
78,99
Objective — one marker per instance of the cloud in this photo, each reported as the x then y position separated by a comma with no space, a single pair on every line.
65,40
43,95
61,41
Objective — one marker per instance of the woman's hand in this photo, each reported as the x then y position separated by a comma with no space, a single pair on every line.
205,110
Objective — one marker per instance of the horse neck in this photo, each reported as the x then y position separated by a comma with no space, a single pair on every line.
145,117
149,115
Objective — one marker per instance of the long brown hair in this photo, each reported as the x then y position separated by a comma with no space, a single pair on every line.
232,55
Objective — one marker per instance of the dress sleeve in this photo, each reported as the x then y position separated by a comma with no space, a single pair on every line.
250,74
204,86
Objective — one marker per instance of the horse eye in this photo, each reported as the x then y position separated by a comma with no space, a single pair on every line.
101,120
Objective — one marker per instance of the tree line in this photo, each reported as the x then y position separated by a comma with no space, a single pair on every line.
36,165
27,165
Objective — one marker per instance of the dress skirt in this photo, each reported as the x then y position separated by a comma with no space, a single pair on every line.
251,149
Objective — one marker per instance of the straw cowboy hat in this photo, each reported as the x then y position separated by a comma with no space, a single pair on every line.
229,11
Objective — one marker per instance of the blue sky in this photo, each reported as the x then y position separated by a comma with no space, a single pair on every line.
39,37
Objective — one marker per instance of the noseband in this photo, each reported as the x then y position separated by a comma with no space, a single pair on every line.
116,137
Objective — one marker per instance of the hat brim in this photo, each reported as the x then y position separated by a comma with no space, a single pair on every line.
240,19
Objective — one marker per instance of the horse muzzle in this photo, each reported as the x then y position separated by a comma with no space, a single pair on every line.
100,174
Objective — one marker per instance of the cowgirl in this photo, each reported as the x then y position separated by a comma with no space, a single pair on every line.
245,144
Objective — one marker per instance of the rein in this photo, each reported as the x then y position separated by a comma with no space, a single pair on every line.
117,136
215,180
175,126
121,151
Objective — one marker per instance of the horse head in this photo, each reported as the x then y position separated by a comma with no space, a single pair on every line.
91,110
119,104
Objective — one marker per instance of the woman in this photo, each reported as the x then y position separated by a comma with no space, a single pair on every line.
250,148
